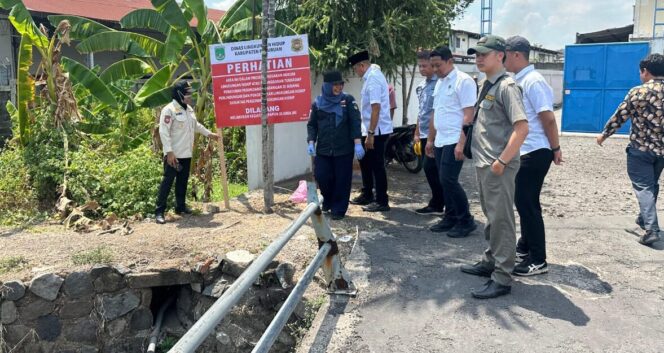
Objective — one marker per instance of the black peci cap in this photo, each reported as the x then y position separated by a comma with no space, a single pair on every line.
333,76
358,57
517,43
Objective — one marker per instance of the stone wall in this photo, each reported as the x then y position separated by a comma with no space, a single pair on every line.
110,309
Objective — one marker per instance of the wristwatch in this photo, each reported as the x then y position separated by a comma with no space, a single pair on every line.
370,132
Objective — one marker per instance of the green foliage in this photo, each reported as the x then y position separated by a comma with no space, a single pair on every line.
18,200
99,255
124,184
392,30
236,154
12,263
166,344
43,158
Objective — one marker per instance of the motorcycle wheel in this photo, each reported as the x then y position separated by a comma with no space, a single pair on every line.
407,157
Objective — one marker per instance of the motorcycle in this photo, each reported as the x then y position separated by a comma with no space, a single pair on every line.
400,147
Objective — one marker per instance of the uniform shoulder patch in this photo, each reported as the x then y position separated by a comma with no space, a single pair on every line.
167,119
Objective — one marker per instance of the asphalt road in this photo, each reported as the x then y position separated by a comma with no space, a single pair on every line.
604,291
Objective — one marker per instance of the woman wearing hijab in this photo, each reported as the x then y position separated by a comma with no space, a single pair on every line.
334,137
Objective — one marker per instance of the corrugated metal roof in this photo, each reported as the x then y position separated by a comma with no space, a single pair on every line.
107,10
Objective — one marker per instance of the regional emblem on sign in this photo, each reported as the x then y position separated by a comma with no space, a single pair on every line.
297,44
220,53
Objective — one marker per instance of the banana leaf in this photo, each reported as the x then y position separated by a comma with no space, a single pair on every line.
81,28
155,86
22,21
84,76
174,46
241,9
132,43
199,10
123,99
172,13
127,69
26,87
145,18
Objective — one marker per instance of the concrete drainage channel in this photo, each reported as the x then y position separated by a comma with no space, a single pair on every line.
110,309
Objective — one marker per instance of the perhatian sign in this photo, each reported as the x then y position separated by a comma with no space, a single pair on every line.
236,79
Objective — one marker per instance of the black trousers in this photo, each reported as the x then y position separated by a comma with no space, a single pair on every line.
456,201
181,179
431,172
529,180
373,170
335,176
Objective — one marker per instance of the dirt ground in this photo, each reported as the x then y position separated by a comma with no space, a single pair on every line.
603,293
180,243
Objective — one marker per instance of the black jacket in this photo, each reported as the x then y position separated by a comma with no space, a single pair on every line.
335,140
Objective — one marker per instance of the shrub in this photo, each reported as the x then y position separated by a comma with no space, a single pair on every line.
123,184
18,202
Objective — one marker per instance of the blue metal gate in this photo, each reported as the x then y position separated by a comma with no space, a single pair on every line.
597,78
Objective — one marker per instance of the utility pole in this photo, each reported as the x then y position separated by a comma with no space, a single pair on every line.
267,31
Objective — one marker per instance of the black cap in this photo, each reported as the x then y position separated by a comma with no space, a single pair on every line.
333,76
487,44
358,57
517,43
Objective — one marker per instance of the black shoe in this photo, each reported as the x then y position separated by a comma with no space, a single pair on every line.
491,290
325,209
649,238
159,218
336,217
639,222
362,200
443,226
185,210
429,209
530,268
376,207
462,230
477,269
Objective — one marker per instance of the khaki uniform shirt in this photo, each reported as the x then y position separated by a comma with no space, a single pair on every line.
176,129
644,105
498,112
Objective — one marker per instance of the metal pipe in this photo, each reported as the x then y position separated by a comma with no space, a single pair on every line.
277,324
206,324
154,336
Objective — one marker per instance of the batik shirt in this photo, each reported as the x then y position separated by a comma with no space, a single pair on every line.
643,104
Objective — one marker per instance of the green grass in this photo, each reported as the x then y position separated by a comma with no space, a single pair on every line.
234,190
99,255
12,263
166,344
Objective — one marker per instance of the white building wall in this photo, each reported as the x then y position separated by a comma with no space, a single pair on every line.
644,12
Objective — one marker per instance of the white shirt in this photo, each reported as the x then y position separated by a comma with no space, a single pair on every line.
375,90
537,98
451,95
176,129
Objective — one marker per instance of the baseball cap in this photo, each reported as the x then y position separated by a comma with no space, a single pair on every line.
517,43
487,44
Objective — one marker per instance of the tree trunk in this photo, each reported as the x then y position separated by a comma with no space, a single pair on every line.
404,97
410,91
